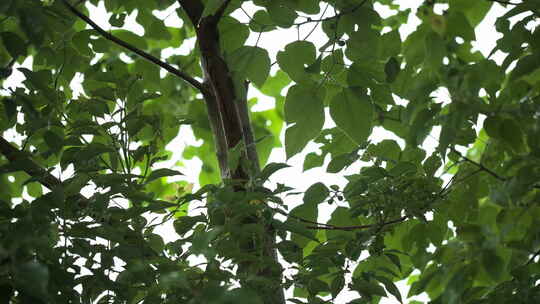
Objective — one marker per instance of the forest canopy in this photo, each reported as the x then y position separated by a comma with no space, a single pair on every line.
91,102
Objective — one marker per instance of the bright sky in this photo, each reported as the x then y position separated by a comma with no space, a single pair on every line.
273,42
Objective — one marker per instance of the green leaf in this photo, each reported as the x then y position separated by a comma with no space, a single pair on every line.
131,38
298,217
414,47
362,40
435,51
337,285
493,264
147,96
92,150
507,130
261,22
275,84
6,5
35,24
333,64
88,102
14,44
308,6
34,189
211,7
270,169
184,224
10,108
459,26
316,286
159,173
313,160
340,162
341,217
314,68
81,41
291,252
295,58
368,288
304,109
474,10
432,164
281,14
394,259
391,44
511,132
390,287
32,277
55,142
316,194
74,185
391,69
233,34
386,150
252,63
157,206
38,79
296,228
382,95
403,168
353,113
117,20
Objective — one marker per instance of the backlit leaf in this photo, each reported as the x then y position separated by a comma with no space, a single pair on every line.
353,113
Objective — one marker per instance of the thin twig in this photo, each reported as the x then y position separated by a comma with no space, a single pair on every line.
303,220
317,225
533,257
315,26
352,10
482,167
182,75
348,228
506,2
485,169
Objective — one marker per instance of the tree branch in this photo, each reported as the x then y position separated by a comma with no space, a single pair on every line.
357,227
506,2
323,226
338,15
235,128
193,9
184,76
480,166
533,257
484,168
31,168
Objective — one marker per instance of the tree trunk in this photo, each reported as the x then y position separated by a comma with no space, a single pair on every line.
228,115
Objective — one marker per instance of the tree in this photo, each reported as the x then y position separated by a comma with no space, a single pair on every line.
460,222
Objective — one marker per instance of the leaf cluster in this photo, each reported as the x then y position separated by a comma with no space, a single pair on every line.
457,219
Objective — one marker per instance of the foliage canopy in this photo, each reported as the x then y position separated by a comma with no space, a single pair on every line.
98,105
